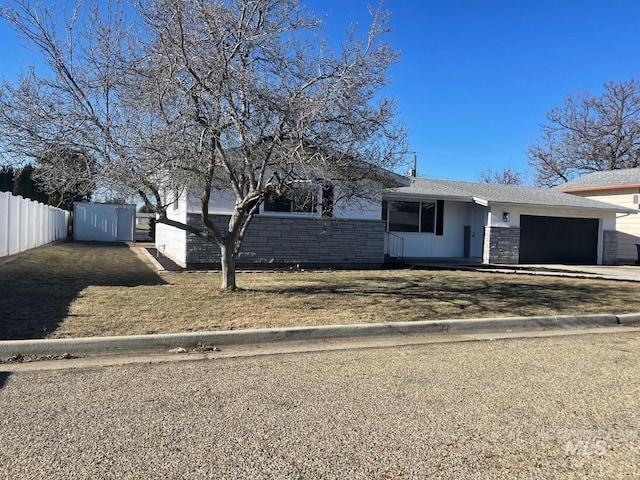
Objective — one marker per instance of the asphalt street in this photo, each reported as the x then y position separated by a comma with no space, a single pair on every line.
556,407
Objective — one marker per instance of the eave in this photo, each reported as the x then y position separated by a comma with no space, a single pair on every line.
599,189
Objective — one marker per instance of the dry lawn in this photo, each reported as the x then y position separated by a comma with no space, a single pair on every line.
75,289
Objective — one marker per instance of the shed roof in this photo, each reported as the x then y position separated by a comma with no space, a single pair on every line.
487,194
608,180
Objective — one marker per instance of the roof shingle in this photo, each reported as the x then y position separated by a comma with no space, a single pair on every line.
603,180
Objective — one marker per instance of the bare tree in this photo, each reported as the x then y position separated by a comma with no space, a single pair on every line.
589,133
241,96
507,176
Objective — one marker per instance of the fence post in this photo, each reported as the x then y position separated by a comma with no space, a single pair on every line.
14,231
53,222
5,210
32,238
46,222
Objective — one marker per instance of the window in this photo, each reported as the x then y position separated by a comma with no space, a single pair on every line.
327,200
301,198
305,199
424,217
176,198
404,216
428,217
274,203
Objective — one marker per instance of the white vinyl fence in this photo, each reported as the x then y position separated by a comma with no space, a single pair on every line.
26,224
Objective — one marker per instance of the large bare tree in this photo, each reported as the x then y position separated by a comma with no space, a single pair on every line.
589,133
241,96
508,175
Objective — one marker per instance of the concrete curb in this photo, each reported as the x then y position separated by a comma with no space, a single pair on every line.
629,319
165,342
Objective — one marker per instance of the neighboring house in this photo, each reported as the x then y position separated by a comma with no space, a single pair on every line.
418,219
618,187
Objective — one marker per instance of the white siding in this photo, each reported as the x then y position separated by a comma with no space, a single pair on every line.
172,241
360,209
496,215
222,203
448,245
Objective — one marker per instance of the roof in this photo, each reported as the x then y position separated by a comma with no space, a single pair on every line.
608,180
487,194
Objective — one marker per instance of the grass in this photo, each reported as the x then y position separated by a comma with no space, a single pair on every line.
74,289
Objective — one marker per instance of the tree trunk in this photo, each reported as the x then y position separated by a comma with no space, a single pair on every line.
228,263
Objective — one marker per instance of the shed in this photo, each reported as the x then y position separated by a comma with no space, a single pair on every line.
100,222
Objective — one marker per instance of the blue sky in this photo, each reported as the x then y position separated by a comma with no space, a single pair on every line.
476,77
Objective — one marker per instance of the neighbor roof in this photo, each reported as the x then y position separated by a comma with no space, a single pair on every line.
487,194
609,180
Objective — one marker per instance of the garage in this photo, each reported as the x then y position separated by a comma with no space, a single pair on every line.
558,240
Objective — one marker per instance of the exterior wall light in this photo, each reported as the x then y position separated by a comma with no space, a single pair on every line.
506,216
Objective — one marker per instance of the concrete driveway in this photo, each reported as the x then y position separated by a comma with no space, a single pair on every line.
615,272
605,272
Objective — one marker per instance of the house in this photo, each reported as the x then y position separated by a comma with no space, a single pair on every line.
617,187
414,219
313,228
443,219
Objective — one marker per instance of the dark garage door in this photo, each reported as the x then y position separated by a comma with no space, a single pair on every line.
558,240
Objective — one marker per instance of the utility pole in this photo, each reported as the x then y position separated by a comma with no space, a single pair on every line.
413,171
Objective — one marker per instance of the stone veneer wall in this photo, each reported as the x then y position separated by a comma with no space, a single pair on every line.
501,245
609,247
300,241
